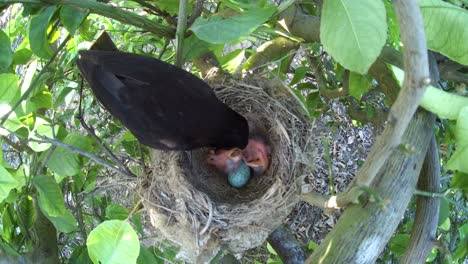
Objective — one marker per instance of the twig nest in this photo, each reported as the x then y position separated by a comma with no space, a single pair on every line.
192,204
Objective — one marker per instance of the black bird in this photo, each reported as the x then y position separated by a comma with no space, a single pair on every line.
164,106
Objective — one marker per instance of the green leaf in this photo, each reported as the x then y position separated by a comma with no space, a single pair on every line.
460,181
458,160
113,241
71,17
353,32
299,74
146,256
80,256
444,211
170,6
38,33
358,85
398,244
271,250
21,56
116,211
443,104
9,89
445,26
42,100
43,128
6,55
195,47
52,204
7,183
231,61
66,162
461,129
219,30
26,211
136,220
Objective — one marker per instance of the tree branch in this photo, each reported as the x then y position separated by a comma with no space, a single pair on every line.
180,33
91,156
427,210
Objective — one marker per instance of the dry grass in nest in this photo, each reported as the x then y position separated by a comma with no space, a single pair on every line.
194,206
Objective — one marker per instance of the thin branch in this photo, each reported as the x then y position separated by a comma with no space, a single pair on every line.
180,34
91,156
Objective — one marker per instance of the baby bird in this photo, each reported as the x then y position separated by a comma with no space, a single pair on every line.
257,155
231,163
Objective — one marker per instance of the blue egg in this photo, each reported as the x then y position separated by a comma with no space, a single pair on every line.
240,176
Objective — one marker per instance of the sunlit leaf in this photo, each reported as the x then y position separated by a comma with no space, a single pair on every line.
7,183
224,30
6,54
113,241
231,61
52,204
445,26
38,33
353,32
9,89
43,128
458,160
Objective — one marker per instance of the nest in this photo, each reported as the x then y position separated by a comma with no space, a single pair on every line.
193,206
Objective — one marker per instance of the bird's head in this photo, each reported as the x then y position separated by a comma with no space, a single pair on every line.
257,156
225,160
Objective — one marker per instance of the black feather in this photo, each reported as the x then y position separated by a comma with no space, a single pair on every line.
164,106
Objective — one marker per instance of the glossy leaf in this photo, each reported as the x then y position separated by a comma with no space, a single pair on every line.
7,183
219,30
113,241
52,204
446,29
353,32
38,33
6,55
71,17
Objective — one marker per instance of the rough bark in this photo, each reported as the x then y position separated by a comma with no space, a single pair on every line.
363,230
427,210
